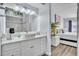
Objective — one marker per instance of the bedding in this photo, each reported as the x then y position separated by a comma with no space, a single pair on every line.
69,36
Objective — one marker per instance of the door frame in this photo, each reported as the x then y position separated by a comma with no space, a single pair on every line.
77,29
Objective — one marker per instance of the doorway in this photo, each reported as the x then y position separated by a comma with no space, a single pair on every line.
64,29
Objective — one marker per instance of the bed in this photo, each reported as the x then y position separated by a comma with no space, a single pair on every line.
69,38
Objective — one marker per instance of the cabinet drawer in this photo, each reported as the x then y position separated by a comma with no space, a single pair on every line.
10,46
37,47
15,52
43,45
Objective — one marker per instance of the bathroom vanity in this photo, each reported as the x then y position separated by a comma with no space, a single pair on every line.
25,47
24,41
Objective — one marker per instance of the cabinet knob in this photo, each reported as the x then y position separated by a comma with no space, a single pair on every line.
12,55
32,47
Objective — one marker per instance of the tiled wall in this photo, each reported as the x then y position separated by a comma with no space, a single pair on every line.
29,23
25,24
15,23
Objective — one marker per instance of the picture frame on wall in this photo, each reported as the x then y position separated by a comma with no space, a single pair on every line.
57,18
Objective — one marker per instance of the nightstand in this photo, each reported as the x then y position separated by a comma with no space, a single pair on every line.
55,41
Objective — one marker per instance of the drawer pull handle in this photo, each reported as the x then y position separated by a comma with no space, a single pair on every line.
32,47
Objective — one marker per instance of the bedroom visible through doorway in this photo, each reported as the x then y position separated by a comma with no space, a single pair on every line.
64,29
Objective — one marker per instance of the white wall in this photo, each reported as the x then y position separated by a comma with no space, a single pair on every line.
45,25
64,10
74,24
34,22
66,24
43,22
2,25
2,20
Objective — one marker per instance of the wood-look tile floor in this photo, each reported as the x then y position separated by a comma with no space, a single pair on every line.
63,50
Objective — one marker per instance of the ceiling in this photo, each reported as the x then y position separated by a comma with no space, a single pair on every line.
62,9
65,9
38,5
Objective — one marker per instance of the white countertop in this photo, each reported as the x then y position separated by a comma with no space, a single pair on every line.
20,39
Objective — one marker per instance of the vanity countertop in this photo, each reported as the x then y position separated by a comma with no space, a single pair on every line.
20,39
27,33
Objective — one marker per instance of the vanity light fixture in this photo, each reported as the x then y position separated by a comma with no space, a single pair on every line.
27,11
16,8
32,13
22,9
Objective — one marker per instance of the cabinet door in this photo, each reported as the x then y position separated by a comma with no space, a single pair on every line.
31,48
27,51
15,52
37,47
11,49
10,46
27,48
43,45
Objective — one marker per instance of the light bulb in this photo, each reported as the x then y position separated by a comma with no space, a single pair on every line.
32,12
16,8
23,10
27,11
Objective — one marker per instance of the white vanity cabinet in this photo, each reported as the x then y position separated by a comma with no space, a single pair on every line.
31,47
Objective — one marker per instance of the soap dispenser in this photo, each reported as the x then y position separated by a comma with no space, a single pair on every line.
11,31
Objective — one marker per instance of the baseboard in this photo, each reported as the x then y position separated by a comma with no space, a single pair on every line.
68,43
